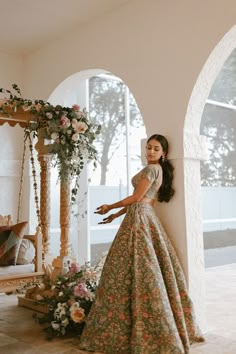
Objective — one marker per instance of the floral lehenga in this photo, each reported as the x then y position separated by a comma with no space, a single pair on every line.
142,304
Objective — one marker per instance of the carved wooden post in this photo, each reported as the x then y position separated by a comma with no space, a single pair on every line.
65,218
62,262
45,174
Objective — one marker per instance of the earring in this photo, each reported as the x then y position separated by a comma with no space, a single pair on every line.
164,159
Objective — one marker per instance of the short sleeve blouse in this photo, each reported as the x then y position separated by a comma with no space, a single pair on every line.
154,175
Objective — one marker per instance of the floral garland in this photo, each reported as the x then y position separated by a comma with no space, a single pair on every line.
68,131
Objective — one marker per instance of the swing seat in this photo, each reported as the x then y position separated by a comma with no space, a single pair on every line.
23,269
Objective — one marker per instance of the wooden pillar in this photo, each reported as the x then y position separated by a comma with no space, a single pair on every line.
62,263
45,175
65,218
45,161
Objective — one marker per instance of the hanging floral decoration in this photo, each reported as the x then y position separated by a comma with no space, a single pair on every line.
67,130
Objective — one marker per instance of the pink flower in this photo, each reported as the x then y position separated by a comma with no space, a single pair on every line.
64,122
80,290
74,268
76,107
81,127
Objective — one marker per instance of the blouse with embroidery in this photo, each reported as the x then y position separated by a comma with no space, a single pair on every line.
153,173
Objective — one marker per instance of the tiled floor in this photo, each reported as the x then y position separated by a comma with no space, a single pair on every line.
19,334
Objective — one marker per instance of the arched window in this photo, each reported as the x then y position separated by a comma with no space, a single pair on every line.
111,104
218,174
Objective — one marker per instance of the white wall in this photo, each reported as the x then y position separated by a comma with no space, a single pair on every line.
11,142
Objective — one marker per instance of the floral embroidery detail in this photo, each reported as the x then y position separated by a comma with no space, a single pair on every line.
141,305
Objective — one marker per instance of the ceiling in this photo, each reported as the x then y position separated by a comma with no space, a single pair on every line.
28,24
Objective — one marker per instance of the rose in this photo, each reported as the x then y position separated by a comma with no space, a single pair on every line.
54,136
81,127
76,107
74,122
75,137
80,290
77,315
74,268
64,122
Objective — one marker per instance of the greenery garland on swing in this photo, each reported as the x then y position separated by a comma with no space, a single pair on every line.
67,129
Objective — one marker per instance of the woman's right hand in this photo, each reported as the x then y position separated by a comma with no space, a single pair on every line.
108,219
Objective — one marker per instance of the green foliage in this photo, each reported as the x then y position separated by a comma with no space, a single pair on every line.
69,299
68,131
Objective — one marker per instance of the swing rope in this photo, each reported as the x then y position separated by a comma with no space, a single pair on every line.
27,137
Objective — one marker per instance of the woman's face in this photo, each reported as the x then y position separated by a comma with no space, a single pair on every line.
154,151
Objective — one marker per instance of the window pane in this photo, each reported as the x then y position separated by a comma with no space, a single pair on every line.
107,99
224,88
218,174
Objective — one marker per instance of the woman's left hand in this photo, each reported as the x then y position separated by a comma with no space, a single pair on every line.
103,209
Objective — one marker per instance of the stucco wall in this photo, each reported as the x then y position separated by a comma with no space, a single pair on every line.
11,71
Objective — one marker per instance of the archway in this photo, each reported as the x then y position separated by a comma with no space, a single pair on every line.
113,106
195,149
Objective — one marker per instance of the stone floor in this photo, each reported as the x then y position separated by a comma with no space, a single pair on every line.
20,334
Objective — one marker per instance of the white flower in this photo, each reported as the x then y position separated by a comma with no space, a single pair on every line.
65,322
63,312
54,136
75,137
74,122
74,306
49,115
60,305
55,325
60,293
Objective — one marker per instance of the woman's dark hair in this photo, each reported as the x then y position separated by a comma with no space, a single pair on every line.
166,191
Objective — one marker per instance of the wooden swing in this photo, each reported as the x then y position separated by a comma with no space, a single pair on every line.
15,276
22,118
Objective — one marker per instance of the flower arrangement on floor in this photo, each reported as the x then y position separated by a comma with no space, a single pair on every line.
69,299
67,129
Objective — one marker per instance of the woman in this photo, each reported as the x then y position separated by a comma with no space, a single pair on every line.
142,305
